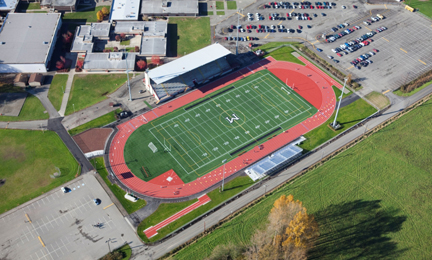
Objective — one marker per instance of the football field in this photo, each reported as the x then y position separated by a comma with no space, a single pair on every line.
199,137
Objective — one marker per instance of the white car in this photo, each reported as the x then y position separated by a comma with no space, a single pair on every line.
346,24
343,7
333,50
64,189
330,57
372,53
249,15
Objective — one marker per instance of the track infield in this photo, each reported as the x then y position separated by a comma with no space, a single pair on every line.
196,138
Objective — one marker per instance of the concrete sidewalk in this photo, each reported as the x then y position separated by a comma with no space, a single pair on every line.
67,92
27,125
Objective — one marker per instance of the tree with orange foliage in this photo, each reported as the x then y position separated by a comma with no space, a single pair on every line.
155,60
99,16
105,11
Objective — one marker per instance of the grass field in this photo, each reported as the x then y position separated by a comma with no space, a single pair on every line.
87,16
371,201
424,7
378,99
125,42
31,110
215,128
129,206
55,93
231,5
98,122
167,210
209,13
284,54
220,5
23,6
88,90
220,12
348,116
27,158
192,34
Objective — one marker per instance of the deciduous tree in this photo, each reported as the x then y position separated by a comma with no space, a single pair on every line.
141,64
67,37
122,36
105,11
137,49
117,38
60,65
99,16
156,60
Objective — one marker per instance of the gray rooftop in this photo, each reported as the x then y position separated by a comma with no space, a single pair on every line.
58,2
109,61
187,63
95,29
157,28
153,46
82,44
27,37
174,7
8,4
124,10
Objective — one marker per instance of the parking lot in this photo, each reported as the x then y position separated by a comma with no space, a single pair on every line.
61,225
404,49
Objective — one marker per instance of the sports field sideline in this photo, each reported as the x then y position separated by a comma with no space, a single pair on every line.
196,138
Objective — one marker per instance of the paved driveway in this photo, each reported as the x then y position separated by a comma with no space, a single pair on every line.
61,225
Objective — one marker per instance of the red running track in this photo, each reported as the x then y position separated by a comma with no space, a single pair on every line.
152,231
311,83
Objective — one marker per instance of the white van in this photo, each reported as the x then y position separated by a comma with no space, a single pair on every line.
130,197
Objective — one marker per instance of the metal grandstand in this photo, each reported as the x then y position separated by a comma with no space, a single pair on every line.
276,161
187,72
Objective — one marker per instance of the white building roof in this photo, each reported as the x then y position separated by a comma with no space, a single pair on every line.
8,4
187,63
174,7
109,61
153,46
124,10
150,28
95,29
27,37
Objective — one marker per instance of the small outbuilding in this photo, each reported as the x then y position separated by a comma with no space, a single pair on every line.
35,80
21,80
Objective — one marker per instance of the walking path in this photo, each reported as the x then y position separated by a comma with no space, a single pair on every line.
152,231
42,94
67,92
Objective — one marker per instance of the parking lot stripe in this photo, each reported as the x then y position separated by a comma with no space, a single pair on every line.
403,50
352,66
387,91
422,62
109,206
266,36
241,14
279,22
368,28
385,39
28,218
40,239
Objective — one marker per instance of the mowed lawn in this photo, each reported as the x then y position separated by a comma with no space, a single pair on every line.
372,201
87,16
31,110
27,159
98,122
88,90
193,33
55,93
424,7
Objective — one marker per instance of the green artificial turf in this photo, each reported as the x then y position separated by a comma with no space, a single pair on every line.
31,110
370,201
56,90
347,117
98,122
217,127
27,160
129,206
167,210
192,34
87,16
231,5
91,89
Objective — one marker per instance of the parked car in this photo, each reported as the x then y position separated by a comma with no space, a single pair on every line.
97,201
319,50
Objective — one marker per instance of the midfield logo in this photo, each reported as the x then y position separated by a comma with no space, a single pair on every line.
231,120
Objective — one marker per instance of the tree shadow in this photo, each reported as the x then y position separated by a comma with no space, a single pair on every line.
357,229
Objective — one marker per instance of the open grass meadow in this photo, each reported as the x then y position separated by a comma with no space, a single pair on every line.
31,110
423,6
129,206
27,159
84,16
98,122
166,210
347,117
91,89
192,34
55,93
372,201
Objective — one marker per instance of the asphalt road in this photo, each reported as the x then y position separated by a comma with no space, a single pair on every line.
170,244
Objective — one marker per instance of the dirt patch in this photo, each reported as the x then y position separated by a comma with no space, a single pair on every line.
380,100
92,139
15,152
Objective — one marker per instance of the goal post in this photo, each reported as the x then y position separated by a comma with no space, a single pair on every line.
152,147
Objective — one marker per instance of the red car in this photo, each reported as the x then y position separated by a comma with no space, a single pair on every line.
338,54
257,31
309,18
354,6
370,40
375,50
226,38
299,27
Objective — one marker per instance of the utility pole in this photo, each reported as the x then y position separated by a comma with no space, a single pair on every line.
223,176
73,107
338,107
238,29
109,249
127,72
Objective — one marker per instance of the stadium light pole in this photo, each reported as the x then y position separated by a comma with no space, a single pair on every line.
238,24
340,100
127,72
223,176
